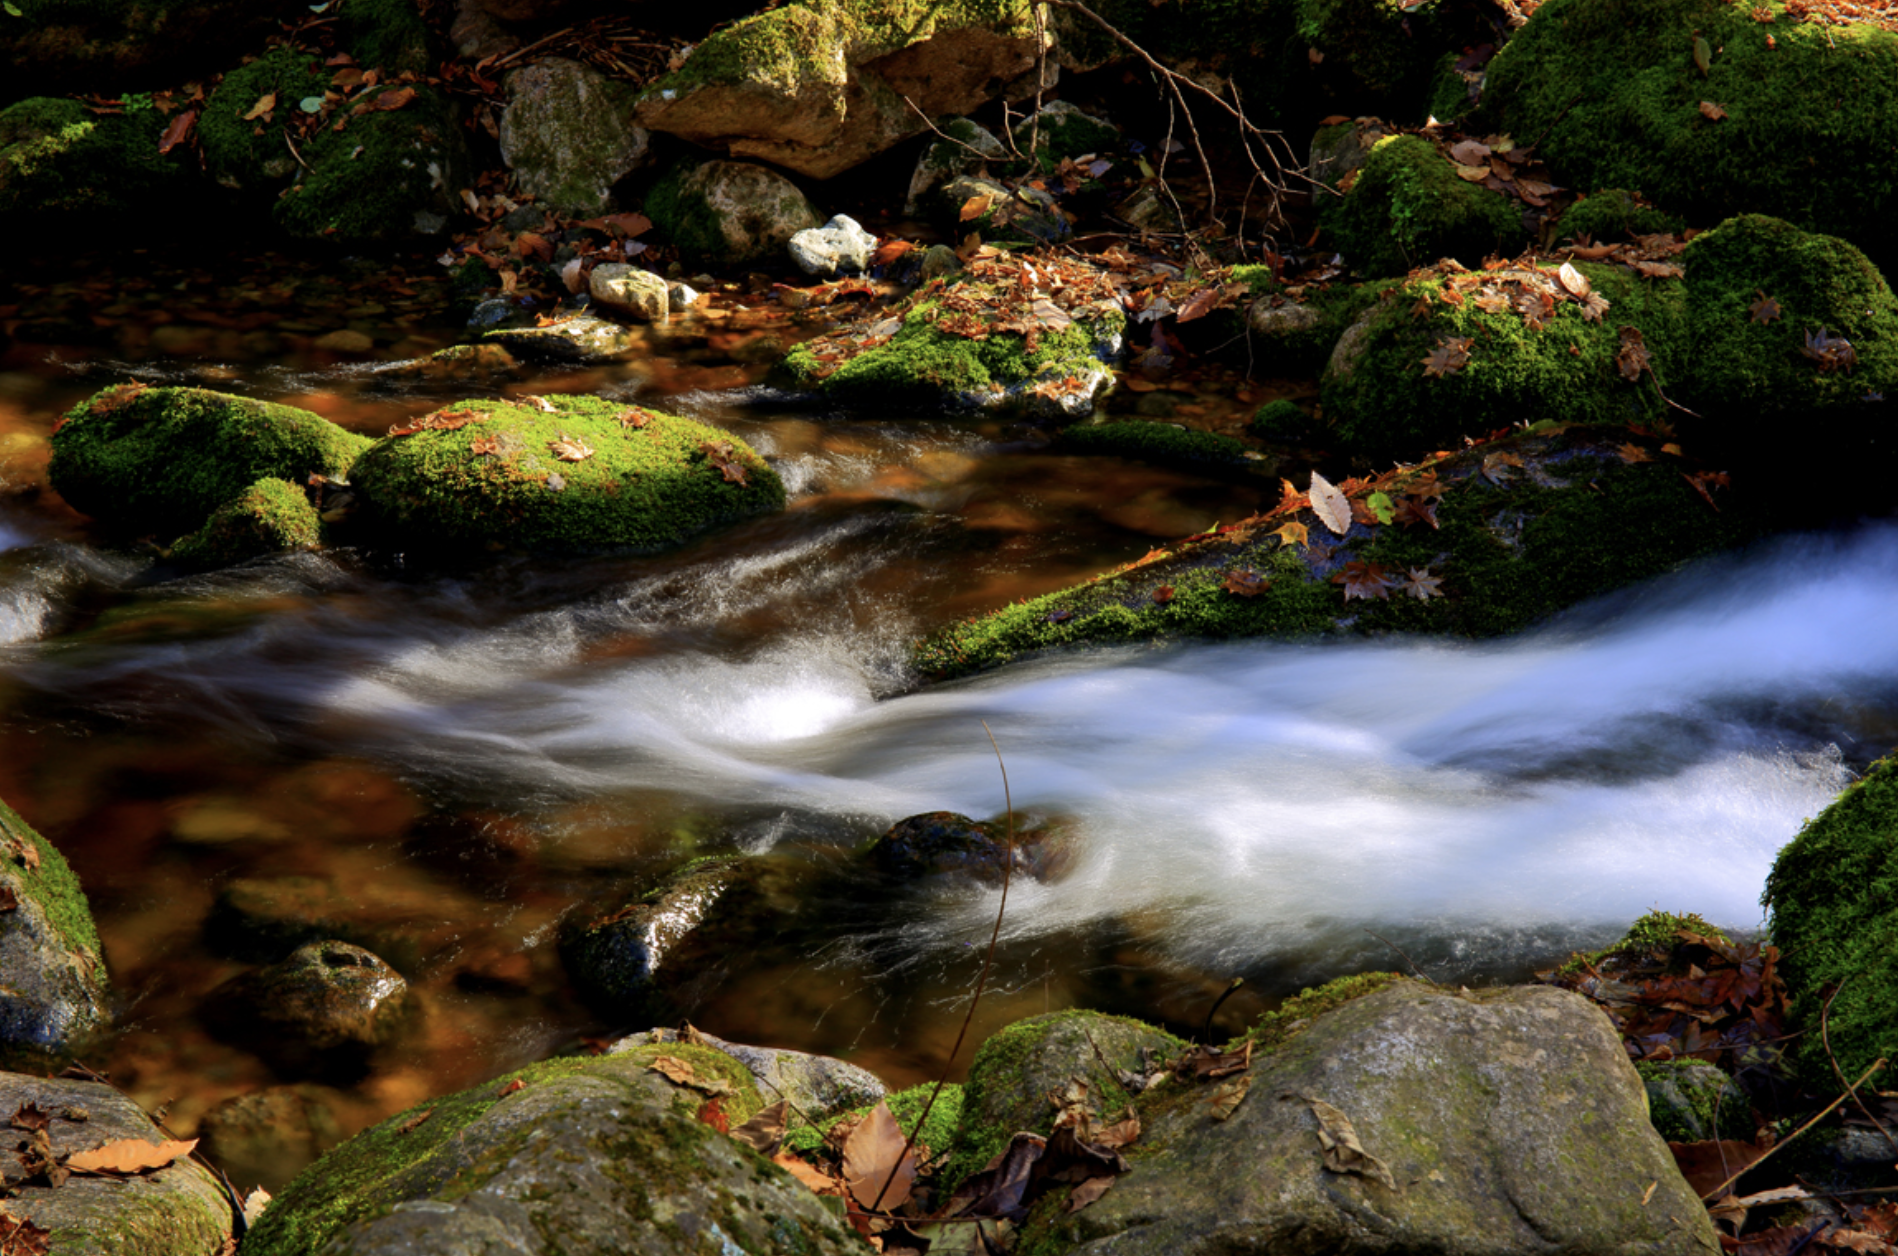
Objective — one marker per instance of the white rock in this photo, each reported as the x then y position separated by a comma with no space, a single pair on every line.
838,247
631,291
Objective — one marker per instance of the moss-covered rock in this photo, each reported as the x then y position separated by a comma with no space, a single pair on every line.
1285,422
177,1209
1293,335
1833,899
1690,1101
161,460
114,46
965,147
580,474
387,175
1482,1110
1378,56
64,169
54,995
1408,208
578,338
1613,89
324,1009
388,35
252,154
1526,526
936,1134
1162,444
568,135
270,517
1062,131
729,212
819,1087
1016,1070
1614,214
605,1153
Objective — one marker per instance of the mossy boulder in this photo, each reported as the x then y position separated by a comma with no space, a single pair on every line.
729,212
1162,444
568,135
819,1087
1508,355
579,338
1691,1101
388,35
1018,1068
1062,131
179,1209
252,155
389,174
65,169
964,147
933,1125
162,460
1292,335
1408,208
270,517
324,1009
1614,214
1483,1112
819,87
1525,526
579,475
604,1152
54,994
1833,902
1613,89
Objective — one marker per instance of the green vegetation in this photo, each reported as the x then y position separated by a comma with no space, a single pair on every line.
160,460
1294,337
1277,1026
1833,899
55,887
938,1133
500,479
269,517
1656,931
1284,422
253,154
1408,208
65,168
1613,215
383,176
386,34
1690,1101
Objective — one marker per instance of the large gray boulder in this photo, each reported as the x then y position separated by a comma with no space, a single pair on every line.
583,1157
54,996
179,1210
568,135
1505,1121
819,88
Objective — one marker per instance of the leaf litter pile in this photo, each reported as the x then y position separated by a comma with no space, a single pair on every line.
1700,996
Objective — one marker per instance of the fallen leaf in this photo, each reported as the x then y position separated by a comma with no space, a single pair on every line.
1496,467
1422,585
1632,358
568,449
875,1153
1414,510
385,101
1380,507
889,251
9,901
1450,356
1368,581
723,455
1089,1191
1706,1165
804,1172
1227,1096
1472,174
1711,111
975,207
129,1156
1764,310
1703,55
633,417
1343,1153
510,1088
1293,533
30,1117
1573,281
415,1122
19,1236
177,130
1831,352
1163,594
1246,583
1594,305
764,1132
484,446
1330,505
1632,453
712,1113
1470,152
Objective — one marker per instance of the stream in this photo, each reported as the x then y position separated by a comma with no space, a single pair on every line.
467,758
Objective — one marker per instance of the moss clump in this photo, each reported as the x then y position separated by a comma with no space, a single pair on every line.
1833,902
1408,208
386,175
1160,443
1690,1101
160,460
725,212
1275,1027
1284,422
1294,336
365,1176
1656,931
498,481
55,887
385,34
1513,546
253,154
269,517
1613,89
1614,215
907,1107
64,168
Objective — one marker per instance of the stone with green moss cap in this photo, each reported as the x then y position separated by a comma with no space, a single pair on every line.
1612,215
1407,208
64,168
728,212
1690,1101
179,1210
54,994
1507,1121
819,87
586,1156
568,135
1611,92
270,517
388,175
161,460
1833,899
251,154
570,474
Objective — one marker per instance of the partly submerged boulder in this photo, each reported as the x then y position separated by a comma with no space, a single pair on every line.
607,1153
581,337
161,460
729,212
1491,1123
820,1087
54,996
568,135
1833,899
818,88
270,517
323,1009
936,843
557,474
1806,117
1483,541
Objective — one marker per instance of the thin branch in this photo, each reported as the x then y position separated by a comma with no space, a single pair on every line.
1819,1116
1407,959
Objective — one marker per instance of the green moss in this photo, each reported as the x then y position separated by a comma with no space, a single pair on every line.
240,154
1299,344
937,1134
1653,932
1690,1101
64,168
1614,215
55,887
1285,422
1408,208
1160,443
383,176
1833,902
385,34
269,517
1451,97
1387,49
358,1180
160,460
642,488
1612,88
1277,1026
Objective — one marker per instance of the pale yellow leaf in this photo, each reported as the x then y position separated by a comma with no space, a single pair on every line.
1330,505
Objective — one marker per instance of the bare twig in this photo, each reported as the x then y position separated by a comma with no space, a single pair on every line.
971,149
981,982
1825,1039
1814,1120
1407,959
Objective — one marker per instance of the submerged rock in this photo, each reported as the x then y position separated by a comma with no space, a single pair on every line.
322,1010
179,1210
268,1136
965,147
606,1153
557,474
942,842
576,338
819,88
54,995
631,291
161,460
728,212
568,135
269,517
1501,1122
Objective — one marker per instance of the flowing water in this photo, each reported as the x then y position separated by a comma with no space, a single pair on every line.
467,758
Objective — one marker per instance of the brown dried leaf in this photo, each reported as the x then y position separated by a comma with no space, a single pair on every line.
1450,356
9,901
1594,305
1343,1153
633,417
1366,581
262,108
21,1237
30,1117
567,449
1247,583
1089,1191
1228,1095
975,207
1633,453
415,1122
385,101
1764,310
820,1182
1632,358
764,1132
1472,174
1573,281
1415,510
873,1151
1469,152
1496,467
130,1155
1711,111
1422,585
177,130
1292,533
484,445
1163,594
